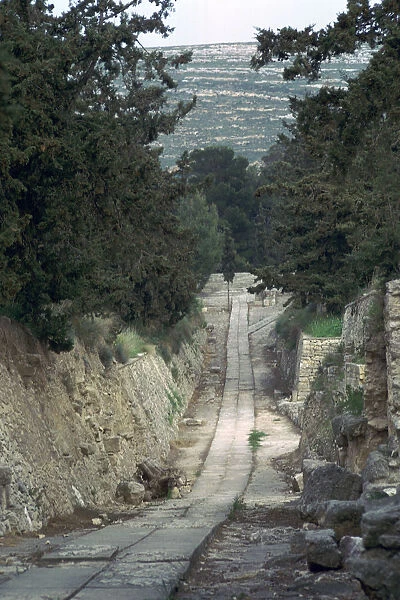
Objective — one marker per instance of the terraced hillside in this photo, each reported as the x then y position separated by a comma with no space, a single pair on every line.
236,106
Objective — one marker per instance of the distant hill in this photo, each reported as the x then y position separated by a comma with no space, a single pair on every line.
236,106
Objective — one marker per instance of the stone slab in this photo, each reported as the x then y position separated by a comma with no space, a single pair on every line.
80,552
167,545
151,578
50,583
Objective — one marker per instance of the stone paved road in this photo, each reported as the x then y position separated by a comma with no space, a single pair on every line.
258,553
254,553
143,559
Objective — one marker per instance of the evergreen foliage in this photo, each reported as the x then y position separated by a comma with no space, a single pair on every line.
201,219
88,218
228,260
330,187
229,183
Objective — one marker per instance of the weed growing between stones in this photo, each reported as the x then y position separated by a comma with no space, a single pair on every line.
176,403
255,437
128,345
353,402
237,507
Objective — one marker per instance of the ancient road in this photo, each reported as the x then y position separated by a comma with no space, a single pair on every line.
145,557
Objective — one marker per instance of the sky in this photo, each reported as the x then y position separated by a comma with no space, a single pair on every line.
213,21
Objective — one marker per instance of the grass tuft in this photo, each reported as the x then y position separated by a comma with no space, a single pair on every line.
255,437
128,345
237,506
325,327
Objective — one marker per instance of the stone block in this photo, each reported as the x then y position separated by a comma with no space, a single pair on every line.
88,449
112,445
325,483
130,492
376,468
376,524
322,551
344,517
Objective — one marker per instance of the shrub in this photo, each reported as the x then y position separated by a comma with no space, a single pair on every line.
353,402
128,345
176,404
291,322
90,331
106,356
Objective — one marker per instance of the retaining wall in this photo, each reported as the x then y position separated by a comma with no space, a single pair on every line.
71,430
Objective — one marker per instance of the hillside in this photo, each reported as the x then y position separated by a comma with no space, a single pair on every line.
236,106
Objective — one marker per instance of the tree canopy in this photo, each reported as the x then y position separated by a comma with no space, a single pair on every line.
88,217
331,185
229,183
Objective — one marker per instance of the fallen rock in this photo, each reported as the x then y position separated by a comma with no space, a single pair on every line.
325,483
378,566
344,517
350,548
130,492
322,551
159,481
376,468
310,464
379,572
376,524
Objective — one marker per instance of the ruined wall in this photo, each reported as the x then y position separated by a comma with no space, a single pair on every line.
70,430
357,324
349,438
392,331
311,353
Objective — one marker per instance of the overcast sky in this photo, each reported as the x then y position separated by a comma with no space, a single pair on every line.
210,21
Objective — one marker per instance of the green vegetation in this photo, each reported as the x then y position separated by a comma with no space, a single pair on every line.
228,183
128,344
292,322
237,507
324,326
353,402
88,218
255,438
176,404
228,260
202,220
330,185
169,340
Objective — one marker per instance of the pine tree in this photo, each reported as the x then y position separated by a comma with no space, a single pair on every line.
89,219
334,216
228,260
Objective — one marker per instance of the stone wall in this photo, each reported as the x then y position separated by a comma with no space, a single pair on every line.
392,330
354,375
357,324
311,353
365,350
71,430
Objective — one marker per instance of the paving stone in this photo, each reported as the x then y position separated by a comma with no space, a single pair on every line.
153,577
50,583
79,552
